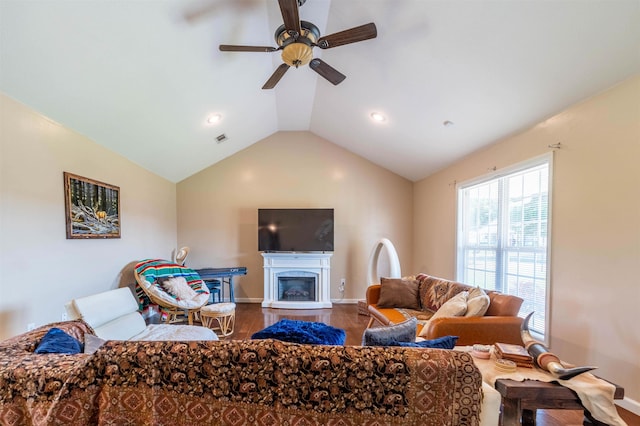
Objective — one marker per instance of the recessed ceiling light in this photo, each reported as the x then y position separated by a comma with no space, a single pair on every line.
214,118
377,116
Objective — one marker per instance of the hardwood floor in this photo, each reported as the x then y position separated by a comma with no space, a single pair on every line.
252,317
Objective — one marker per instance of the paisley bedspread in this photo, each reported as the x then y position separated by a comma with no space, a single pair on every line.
262,382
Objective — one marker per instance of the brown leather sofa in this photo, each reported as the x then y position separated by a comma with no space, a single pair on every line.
499,324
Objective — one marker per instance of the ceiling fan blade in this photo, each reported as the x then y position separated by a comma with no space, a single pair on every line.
290,15
352,35
276,76
233,48
327,71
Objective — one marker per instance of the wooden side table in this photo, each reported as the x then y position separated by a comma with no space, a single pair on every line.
520,400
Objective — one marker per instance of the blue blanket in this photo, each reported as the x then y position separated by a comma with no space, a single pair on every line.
315,333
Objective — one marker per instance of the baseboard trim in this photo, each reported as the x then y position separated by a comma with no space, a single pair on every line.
629,405
259,300
344,301
248,300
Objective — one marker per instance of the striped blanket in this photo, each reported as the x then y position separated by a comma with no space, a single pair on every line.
154,271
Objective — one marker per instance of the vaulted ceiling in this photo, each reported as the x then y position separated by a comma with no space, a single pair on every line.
141,77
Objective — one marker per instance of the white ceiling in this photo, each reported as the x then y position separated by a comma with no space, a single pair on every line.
140,77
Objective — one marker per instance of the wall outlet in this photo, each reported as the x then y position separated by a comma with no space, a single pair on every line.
343,282
64,316
31,326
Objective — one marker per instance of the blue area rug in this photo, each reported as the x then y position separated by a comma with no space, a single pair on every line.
315,333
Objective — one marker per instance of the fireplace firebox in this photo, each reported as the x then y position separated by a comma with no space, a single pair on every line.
297,286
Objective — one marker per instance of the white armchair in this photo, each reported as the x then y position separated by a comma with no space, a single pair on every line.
114,315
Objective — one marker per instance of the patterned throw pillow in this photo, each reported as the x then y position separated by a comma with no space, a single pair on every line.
384,336
398,293
178,287
433,291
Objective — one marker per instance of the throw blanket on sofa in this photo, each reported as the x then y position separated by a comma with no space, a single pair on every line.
237,382
46,389
276,382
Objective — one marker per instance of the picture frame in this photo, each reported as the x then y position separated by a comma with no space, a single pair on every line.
92,208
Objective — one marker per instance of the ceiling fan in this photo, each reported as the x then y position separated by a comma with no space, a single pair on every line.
297,38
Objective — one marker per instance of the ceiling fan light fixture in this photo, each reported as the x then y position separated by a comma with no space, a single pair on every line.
296,54
296,48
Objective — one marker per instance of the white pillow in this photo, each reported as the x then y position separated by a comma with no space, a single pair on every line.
178,287
477,303
454,307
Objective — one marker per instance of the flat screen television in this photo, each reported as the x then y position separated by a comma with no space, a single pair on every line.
295,230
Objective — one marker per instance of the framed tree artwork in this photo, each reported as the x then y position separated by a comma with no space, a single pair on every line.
92,208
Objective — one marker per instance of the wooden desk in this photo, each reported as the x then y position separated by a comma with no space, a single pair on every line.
520,400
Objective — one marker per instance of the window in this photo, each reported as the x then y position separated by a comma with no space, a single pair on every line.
503,224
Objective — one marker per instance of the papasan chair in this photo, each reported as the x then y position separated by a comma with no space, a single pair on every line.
151,276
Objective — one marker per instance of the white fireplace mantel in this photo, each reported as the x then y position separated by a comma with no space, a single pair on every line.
288,264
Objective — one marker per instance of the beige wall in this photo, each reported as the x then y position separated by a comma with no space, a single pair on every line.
40,270
218,207
595,245
595,236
